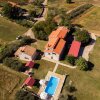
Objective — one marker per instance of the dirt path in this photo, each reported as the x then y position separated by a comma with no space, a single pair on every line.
30,33
59,63
87,50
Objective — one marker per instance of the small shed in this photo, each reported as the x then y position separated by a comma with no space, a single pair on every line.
29,82
30,64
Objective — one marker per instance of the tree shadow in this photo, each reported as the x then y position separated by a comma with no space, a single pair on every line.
39,54
91,65
71,97
36,66
37,84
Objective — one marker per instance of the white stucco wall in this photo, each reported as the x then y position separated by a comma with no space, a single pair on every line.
25,57
52,56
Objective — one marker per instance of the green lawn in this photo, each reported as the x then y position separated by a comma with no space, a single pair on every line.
10,82
41,71
40,44
90,20
9,30
59,4
86,83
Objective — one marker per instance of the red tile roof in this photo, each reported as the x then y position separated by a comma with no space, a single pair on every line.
27,50
30,64
60,46
29,81
74,49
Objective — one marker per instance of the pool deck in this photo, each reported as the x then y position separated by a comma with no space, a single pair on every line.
59,87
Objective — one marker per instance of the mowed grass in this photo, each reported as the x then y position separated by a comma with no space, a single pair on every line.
59,4
86,83
10,30
90,20
40,71
10,82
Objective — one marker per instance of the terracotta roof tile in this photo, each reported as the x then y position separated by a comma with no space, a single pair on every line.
74,49
30,64
60,46
29,81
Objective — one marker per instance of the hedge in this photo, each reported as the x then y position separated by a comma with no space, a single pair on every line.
79,10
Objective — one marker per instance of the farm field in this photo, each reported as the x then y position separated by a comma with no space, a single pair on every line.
86,83
9,83
90,19
9,30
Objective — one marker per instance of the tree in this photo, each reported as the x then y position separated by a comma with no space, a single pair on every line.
82,64
69,1
44,28
71,59
7,9
38,2
13,63
12,12
82,36
24,95
26,40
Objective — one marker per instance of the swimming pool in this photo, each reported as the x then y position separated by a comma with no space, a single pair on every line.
52,85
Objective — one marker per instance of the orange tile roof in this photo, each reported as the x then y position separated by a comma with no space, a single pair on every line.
61,32
26,49
51,43
60,46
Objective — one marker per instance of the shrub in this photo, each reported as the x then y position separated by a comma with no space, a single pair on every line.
79,10
69,1
26,40
71,59
13,63
38,2
82,36
25,23
44,28
82,64
24,95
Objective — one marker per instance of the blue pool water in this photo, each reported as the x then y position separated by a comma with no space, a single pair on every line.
52,85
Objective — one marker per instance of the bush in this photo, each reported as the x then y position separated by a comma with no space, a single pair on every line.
25,23
8,50
24,95
82,36
26,40
79,10
13,63
38,2
44,28
82,64
71,59
69,1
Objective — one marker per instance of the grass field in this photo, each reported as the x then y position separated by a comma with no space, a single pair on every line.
90,20
59,4
41,71
9,30
10,82
86,83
